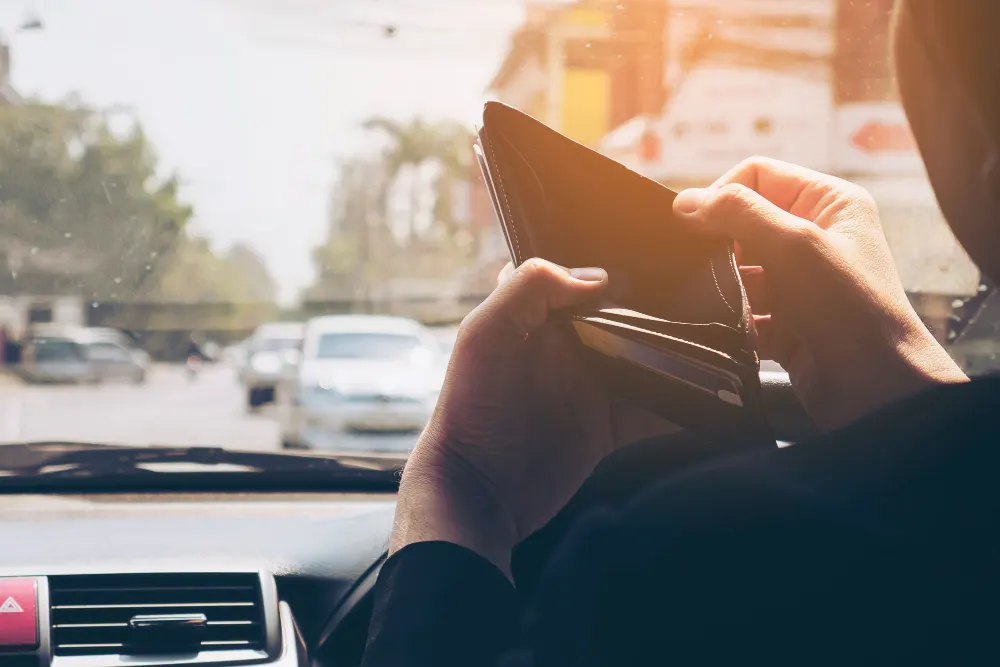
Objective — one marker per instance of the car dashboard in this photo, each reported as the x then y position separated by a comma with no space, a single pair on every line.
170,579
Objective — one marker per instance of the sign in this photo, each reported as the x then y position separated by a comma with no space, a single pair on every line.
649,146
723,114
18,613
880,137
873,138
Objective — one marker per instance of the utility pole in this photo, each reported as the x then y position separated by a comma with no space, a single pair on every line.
7,93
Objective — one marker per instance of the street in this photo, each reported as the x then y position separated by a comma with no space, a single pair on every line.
169,409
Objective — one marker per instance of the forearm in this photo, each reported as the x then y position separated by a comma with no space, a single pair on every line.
437,502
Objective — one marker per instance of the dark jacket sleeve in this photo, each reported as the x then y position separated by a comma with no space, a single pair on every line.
438,604
866,546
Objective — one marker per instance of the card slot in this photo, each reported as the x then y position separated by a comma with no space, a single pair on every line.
721,337
671,363
710,357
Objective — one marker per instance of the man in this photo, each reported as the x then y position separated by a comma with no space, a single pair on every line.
873,544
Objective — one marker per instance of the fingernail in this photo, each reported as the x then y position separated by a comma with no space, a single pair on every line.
590,274
689,201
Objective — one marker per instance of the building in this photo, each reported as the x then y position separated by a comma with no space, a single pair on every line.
808,82
583,69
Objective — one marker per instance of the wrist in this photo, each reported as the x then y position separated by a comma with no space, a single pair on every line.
924,361
440,499
931,363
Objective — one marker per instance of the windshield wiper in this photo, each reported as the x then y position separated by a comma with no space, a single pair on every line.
75,464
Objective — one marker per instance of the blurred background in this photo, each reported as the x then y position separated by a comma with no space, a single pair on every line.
176,175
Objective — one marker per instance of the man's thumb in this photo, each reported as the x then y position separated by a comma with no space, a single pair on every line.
536,289
739,213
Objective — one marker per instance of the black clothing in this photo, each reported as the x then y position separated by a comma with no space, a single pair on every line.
875,544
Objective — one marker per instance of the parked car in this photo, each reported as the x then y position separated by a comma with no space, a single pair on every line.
80,355
113,361
56,360
363,382
124,340
271,347
77,332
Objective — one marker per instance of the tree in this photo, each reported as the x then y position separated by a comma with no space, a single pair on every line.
83,209
258,285
194,273
358,243
416,142
361,255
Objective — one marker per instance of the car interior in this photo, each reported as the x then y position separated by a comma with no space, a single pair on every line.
252,570
175,530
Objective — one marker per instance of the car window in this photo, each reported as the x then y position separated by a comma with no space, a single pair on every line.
207,177
366,346
107,352
277,344
56,350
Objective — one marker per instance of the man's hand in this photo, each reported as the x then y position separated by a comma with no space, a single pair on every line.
828,303
519,425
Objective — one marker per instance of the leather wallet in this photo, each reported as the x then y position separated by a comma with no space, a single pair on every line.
676,334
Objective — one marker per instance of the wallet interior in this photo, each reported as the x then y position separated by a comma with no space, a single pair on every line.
563,202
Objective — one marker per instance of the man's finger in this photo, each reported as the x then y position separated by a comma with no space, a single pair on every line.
764,335
524,302
755,284
735,211
506,273
779,182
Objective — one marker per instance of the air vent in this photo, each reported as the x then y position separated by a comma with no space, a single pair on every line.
96,614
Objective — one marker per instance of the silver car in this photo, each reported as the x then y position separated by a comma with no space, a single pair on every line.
113,361
270,348
81,357
362,383
55,360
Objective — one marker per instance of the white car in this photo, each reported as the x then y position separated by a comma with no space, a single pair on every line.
269,350
363,383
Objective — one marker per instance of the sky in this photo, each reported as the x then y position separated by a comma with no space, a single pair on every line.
252,102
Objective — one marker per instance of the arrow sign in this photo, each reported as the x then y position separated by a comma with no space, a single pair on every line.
878,137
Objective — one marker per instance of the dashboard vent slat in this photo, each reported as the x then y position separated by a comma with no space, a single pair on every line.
90,614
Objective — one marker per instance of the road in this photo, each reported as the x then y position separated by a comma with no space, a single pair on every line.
169,409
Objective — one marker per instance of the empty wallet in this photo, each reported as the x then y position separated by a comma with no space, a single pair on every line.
675,335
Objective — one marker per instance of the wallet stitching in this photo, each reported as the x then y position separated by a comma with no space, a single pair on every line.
718,288
506,202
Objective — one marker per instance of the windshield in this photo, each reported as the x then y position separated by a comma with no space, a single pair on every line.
185,175
366,346
56,350
278,344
